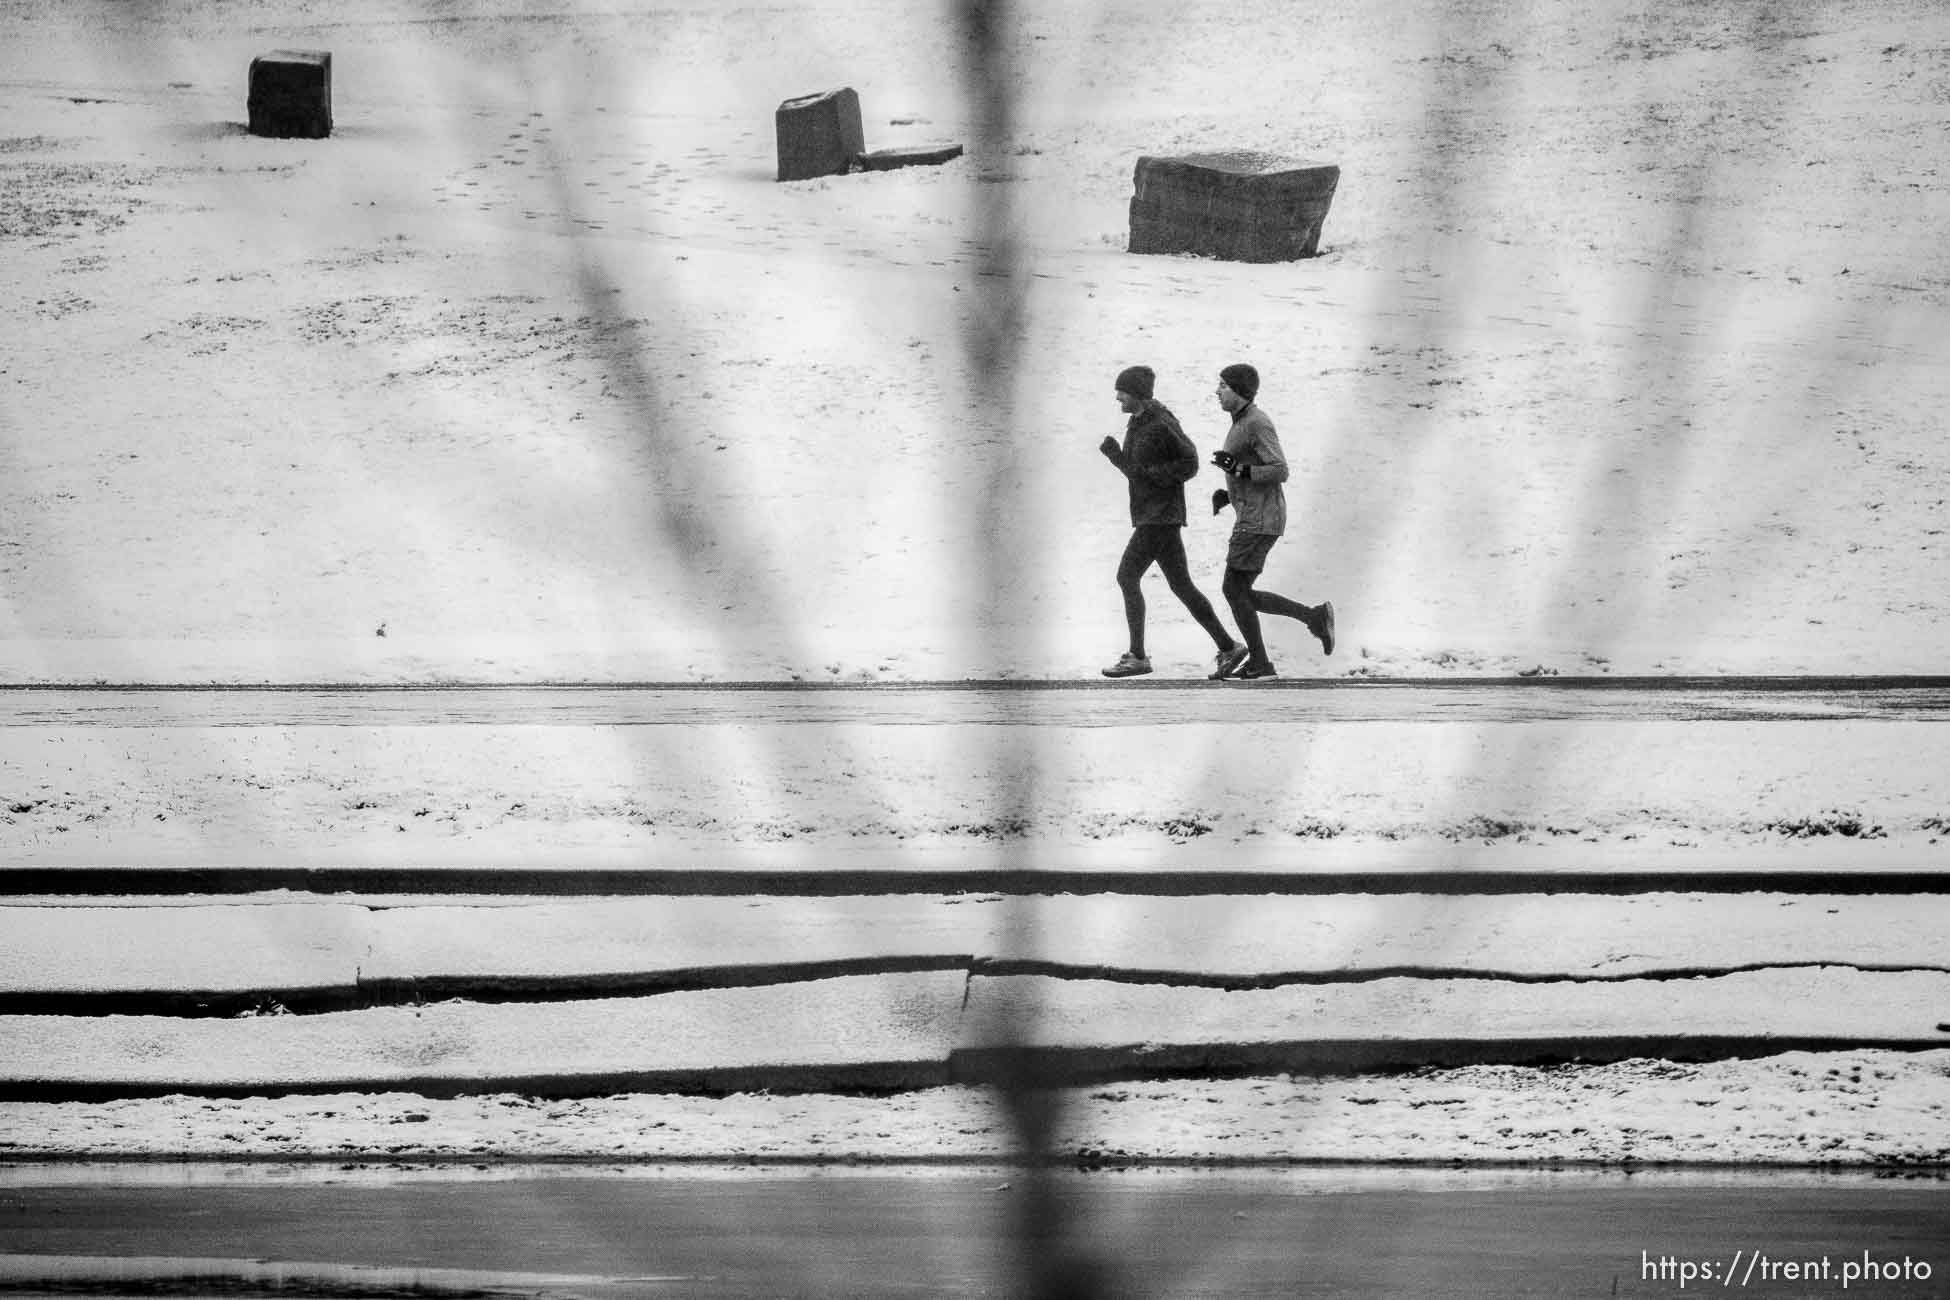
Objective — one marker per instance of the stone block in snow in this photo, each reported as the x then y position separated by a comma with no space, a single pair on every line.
291,94
819,135
1239,207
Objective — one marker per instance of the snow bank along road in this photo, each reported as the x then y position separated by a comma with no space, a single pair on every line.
1523,875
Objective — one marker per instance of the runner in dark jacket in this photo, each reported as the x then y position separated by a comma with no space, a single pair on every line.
1157,459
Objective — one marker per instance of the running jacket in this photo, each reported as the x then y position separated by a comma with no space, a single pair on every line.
1258,500
1158,459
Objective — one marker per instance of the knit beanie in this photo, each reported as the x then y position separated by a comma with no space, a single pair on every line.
1138,381
1241,379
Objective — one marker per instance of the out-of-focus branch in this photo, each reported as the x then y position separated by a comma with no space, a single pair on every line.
1052,1260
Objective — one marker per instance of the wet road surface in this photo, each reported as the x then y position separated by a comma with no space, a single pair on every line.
914,1232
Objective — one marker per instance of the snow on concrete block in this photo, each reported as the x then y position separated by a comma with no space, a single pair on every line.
291,94
819,135
886,160
1241,207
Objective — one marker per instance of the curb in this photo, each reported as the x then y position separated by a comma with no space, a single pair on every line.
1050,1067
543,882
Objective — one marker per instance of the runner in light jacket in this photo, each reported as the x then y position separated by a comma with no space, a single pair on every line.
1255,467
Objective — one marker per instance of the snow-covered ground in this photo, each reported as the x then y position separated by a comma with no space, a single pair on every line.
1279,793
1627,350
1627,354
1797,1108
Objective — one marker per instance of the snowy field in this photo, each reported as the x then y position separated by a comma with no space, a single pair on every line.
1626,354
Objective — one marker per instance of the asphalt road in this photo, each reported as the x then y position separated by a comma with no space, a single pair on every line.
915,1233
1141,701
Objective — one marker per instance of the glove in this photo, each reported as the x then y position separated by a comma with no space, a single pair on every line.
1228,462
1110,446
1220,500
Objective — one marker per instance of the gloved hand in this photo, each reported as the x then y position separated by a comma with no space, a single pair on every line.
1228,462
1110,446
1220,500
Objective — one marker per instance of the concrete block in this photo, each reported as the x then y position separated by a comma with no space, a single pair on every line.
291,94
886,160
1240,207
819,135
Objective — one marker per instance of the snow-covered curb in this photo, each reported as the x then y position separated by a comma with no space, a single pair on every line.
1843,1108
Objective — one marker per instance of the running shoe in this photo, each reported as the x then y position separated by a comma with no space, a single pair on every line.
1254,673
1228,662
1324,627
1128,665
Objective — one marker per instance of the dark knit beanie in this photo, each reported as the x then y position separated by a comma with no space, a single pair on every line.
1138,381
1241,379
